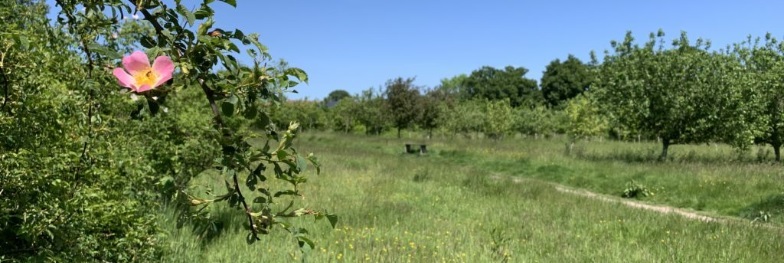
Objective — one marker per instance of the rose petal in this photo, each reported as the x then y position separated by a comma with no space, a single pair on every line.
136,62
143,88
123,78
163,67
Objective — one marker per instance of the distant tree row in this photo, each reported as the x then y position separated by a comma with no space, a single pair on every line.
674,91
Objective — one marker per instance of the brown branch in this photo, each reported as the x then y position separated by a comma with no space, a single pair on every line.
226,133
149,17
6,83
253,229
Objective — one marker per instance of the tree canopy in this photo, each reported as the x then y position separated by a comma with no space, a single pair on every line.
509,83
562,81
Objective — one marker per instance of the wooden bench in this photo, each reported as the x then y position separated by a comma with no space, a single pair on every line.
410,148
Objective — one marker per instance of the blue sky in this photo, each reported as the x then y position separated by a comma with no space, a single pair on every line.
355,45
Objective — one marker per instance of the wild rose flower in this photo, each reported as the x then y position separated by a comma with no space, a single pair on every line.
139,76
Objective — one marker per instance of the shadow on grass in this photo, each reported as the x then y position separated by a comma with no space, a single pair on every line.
675,155
209,226
765,209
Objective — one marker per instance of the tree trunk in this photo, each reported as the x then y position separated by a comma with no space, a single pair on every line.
398,132
775,141
665,146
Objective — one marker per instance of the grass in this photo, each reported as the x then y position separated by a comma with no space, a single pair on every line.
460,203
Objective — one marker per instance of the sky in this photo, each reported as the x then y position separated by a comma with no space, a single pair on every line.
359,44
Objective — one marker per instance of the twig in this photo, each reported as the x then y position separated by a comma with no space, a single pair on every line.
226,133
5,83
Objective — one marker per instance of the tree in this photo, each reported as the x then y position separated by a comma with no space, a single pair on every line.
562,81
343,114
507,84
335,96
680,95
539,120
585,120
499,118
430,110
465,117
402,99
453,87
765,86
371,112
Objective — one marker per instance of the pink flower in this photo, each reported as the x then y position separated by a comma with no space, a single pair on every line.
139,76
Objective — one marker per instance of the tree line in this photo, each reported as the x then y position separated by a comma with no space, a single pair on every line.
675,91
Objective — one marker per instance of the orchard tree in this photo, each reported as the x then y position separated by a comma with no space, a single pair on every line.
453,87
539,120
402,99
680,95
335,96
562,81
464,118
763,82
371,111
499,118
509,83
343,116
585,120
430,110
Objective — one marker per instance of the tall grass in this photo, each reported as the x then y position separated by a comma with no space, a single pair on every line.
460,203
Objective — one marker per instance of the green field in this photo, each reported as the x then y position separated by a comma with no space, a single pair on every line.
495,201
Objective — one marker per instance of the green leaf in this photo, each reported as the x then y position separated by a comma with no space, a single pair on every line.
302,163
104,51
189,16
148,42
238,34
23,41
298,73
251,182
202,13
227,108
282,155
305,244
333,219
250,238
204,27
264,120
250,112
260,200
230,2
313,160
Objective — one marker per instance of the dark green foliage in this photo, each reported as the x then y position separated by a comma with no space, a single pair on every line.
685,94
335,96
507,84
430,111
373,114
402,100
562,81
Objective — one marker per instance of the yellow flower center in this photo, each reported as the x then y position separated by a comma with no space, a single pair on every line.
145,77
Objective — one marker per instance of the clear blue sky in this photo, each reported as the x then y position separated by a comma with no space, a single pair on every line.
355,45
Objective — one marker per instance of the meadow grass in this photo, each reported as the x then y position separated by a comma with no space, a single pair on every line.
461,203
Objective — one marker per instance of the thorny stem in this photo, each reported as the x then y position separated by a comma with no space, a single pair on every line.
226,133
210,94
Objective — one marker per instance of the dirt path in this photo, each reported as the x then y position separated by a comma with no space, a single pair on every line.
630,203
636,204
